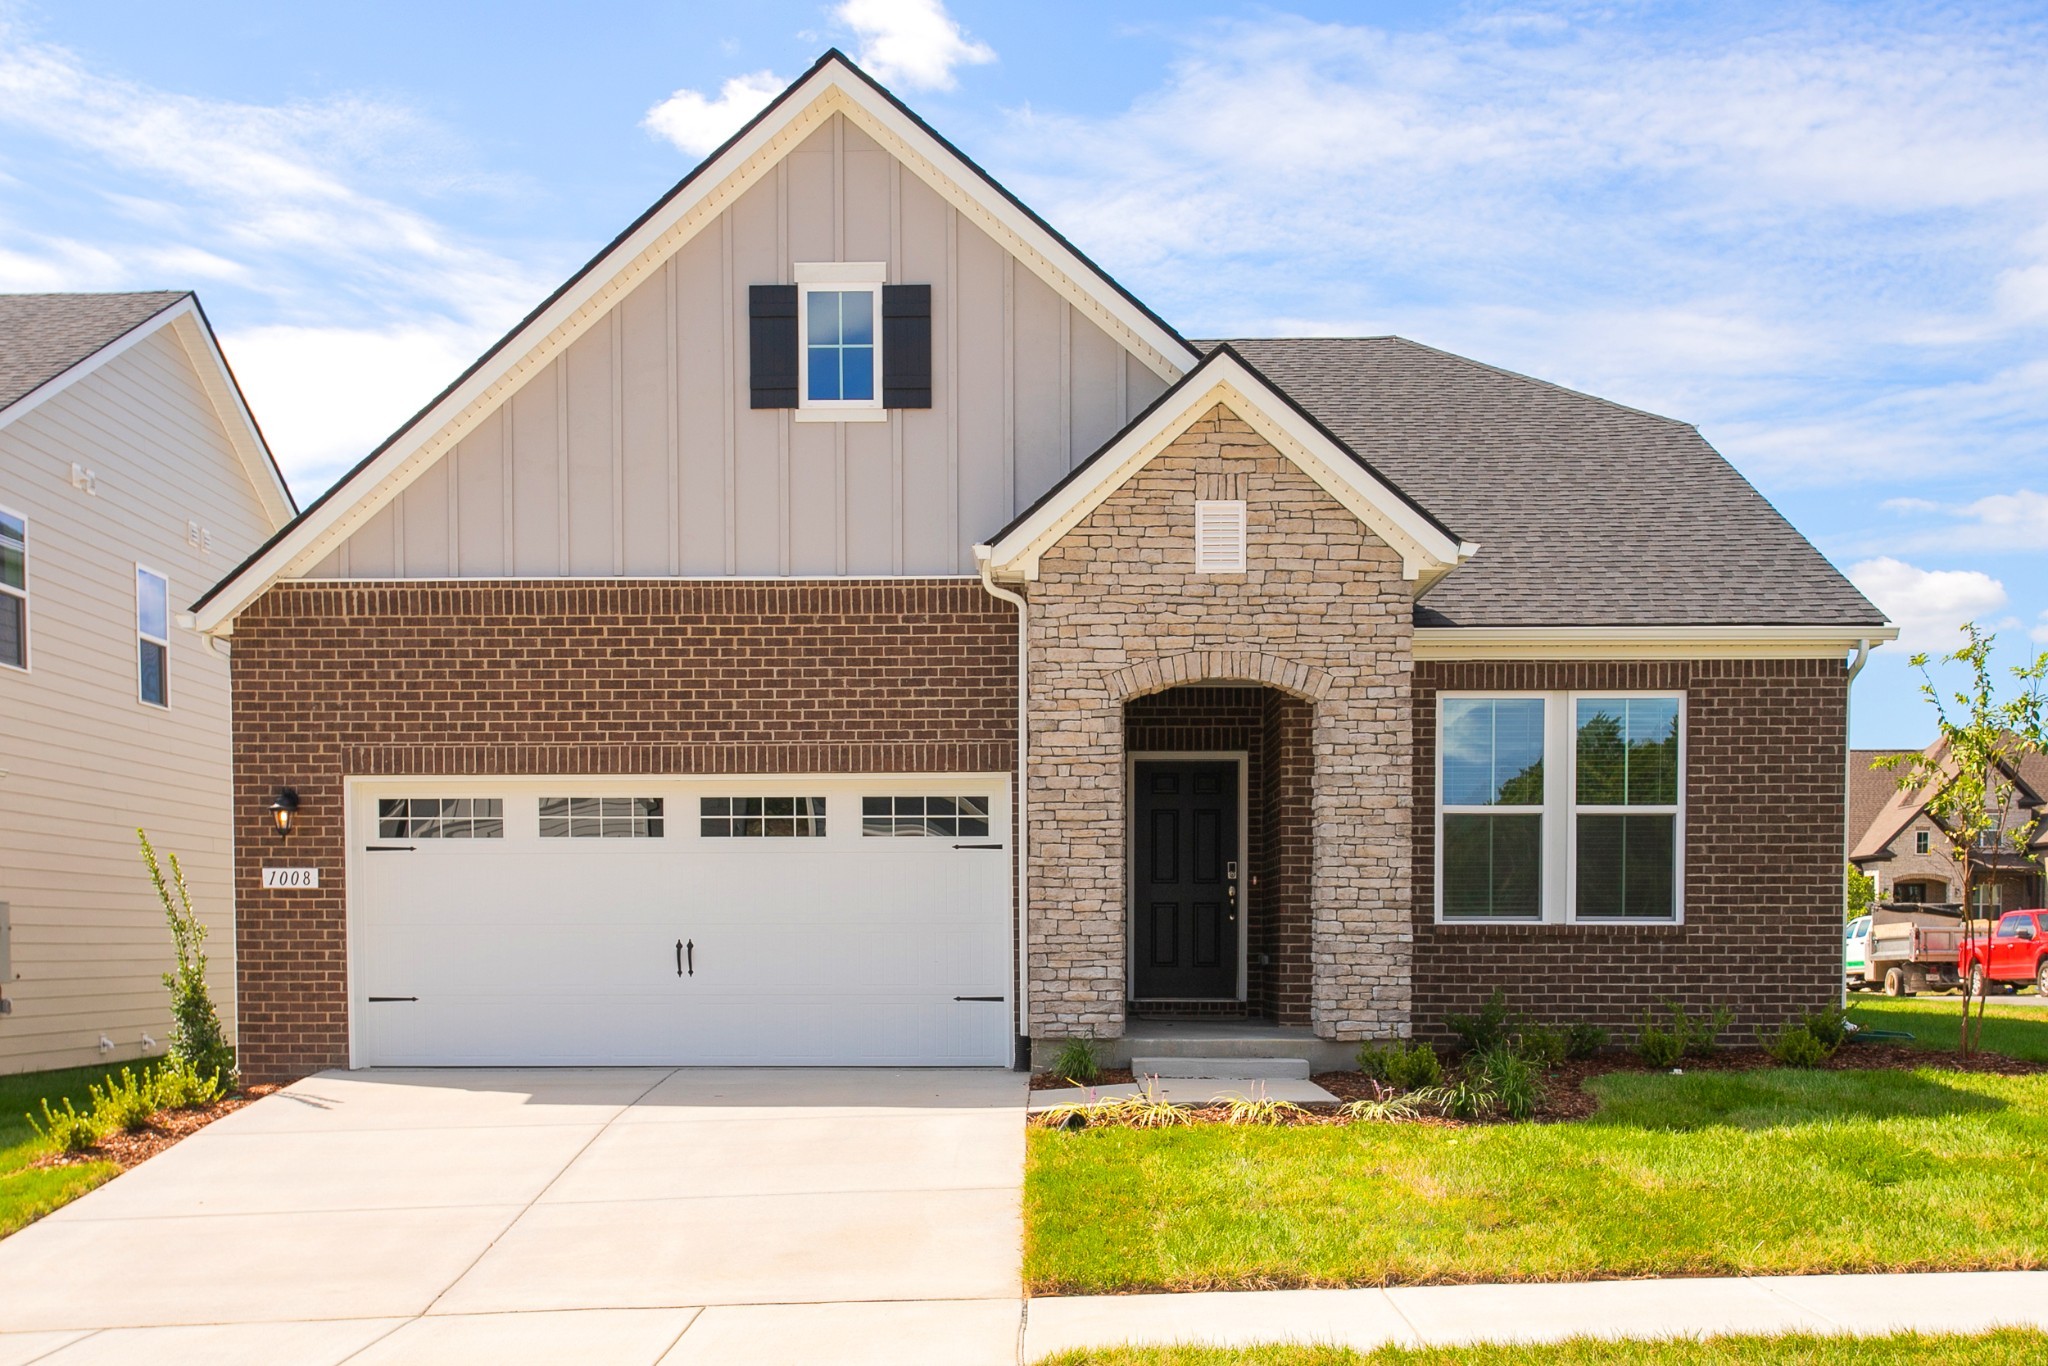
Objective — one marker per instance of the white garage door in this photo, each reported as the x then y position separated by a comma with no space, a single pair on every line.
854,921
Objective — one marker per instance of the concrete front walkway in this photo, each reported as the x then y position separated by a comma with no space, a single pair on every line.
630,1215
1457,1315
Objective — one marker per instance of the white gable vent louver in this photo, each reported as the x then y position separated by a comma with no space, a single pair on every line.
1219,537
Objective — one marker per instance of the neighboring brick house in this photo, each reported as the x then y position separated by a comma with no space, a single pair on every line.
842,625
1908,854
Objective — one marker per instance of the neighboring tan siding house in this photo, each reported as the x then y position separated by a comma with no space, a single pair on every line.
844,626
130,477
1908,853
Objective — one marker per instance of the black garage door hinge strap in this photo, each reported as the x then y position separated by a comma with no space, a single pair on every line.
375,999
977,998
388,848
977,846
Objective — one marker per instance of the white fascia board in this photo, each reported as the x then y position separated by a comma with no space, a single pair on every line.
1425,550
196,339
832,89
1645,642
192,332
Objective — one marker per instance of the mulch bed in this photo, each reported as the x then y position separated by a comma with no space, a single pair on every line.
165,1128
1110,1076
1565,1096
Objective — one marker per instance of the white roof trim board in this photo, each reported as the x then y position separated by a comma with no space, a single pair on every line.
195,336
1426,550
833,86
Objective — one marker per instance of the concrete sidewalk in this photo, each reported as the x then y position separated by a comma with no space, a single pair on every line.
1455,1315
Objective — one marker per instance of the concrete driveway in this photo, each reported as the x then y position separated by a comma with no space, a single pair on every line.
603,1215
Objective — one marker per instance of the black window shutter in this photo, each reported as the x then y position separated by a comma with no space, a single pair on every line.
906,346
771,311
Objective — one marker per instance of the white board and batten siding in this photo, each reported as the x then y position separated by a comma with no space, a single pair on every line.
636,452
493,944
86,762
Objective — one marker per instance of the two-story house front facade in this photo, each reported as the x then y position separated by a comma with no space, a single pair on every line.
843,625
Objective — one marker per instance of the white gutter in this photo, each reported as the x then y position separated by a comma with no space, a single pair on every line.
1023,790
1849,780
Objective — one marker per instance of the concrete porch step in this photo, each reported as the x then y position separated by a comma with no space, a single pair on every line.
1223,1069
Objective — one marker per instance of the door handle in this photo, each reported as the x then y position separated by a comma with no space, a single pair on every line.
691,949
679,958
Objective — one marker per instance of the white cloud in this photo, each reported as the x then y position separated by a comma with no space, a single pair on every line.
696,124
1824,232
329,395
291,208
2014,522
1928,606
912,43
2040,633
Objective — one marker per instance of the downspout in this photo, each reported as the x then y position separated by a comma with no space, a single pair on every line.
1849,781
997,591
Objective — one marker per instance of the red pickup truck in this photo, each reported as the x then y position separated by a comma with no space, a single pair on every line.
2015,953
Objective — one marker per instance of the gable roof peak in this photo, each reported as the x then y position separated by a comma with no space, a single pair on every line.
832,85
1427,547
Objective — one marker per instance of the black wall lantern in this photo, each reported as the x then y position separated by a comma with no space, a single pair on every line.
284,809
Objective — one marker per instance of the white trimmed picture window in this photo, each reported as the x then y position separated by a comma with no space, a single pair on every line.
1219,536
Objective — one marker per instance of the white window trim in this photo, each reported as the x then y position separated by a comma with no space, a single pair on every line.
1560,809
141,635
1225,518
28,654
837,277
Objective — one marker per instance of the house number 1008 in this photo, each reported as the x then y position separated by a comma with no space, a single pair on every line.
291,877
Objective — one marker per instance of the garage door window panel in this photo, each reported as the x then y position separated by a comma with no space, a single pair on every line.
584,818
945,817
761,817
441,818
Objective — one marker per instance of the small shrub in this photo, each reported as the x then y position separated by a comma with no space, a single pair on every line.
1384,1107
1145,1111
196,1033
1403,1066
1467,1096
1539,1045
71,1131
1795,1045
1829,1025
1262,1109
1658,1046
125,1103
1683,1036
1584,1040
1486,1030
179,1086
1705,1041
1511,1077
1077,1062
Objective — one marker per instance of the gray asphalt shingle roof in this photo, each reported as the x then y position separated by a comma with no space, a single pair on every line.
43,335
1585,512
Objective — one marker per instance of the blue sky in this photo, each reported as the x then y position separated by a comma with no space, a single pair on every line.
1820,233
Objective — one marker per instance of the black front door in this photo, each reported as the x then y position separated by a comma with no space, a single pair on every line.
1184,880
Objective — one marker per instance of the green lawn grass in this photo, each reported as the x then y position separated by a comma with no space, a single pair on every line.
2007,1347
1933,1021
26,1192
1710,1173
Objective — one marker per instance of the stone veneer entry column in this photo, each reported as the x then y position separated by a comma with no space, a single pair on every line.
1320,612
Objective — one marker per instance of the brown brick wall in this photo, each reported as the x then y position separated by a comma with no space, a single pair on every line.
571,677
1766,756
